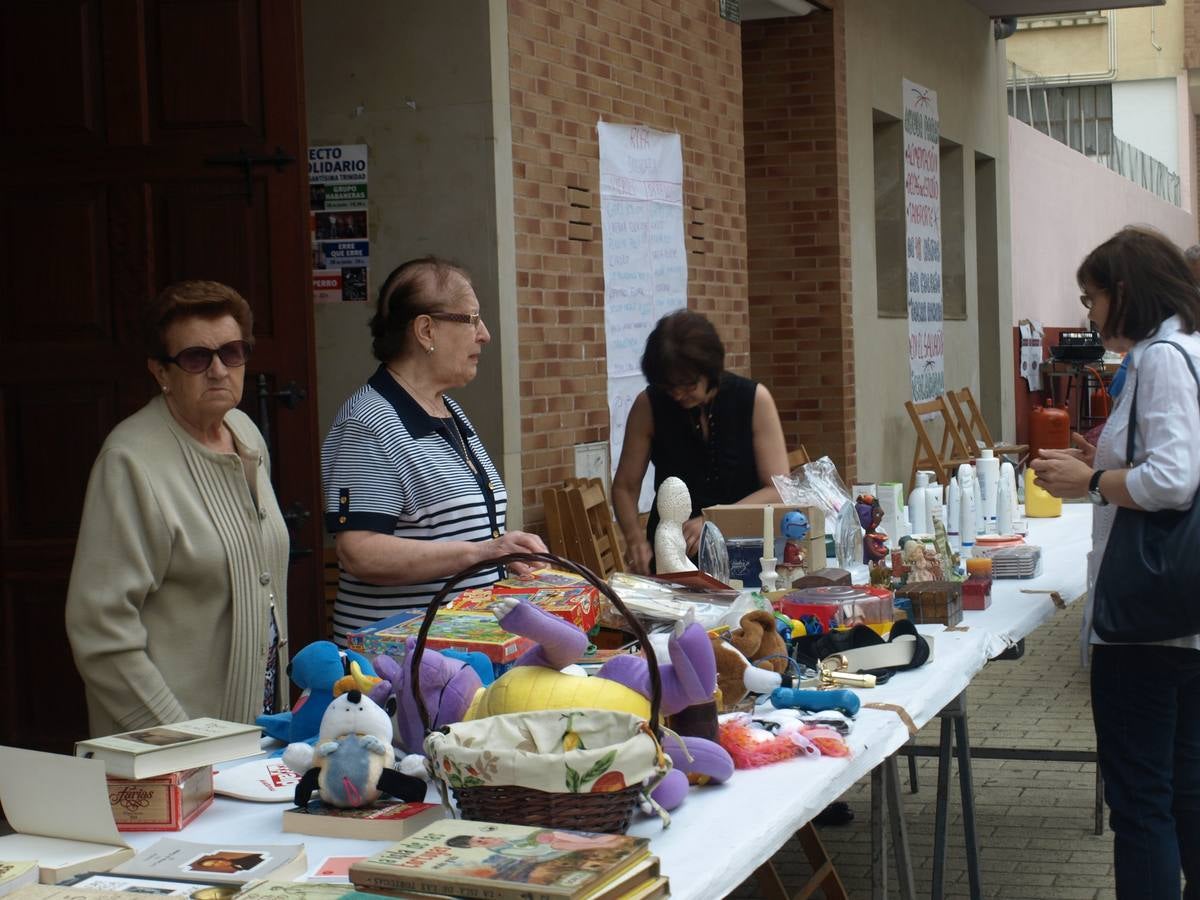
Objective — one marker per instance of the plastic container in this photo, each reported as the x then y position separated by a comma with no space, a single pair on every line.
1038,503
987,470
1049,427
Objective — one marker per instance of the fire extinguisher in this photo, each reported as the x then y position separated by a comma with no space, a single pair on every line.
1049,428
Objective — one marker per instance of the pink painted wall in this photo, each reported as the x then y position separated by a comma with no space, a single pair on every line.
1063,205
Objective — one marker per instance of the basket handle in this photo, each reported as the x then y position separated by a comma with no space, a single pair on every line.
439,599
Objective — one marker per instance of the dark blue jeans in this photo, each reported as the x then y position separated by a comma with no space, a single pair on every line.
1146,706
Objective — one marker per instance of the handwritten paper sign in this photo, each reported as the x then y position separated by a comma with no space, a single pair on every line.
645,261
923,233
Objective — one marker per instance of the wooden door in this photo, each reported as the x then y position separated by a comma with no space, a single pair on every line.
141,142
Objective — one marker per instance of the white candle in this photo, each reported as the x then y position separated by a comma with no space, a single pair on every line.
768,532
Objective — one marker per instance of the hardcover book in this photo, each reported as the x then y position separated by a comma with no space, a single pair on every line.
223,863
171,748
59,812
164,803
381,821
509,862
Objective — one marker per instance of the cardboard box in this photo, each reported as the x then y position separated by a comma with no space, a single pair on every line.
451,630
165,803
745,520
579,605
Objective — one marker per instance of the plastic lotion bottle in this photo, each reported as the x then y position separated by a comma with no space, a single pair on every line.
916,502
1038,503
953,503
1008,474
966,479
933,504
1004,505
987,470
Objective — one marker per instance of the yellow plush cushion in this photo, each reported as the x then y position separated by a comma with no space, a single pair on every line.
536,687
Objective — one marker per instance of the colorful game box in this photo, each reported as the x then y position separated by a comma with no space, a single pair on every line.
451,630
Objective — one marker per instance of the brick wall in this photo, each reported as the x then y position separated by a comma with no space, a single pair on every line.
798,228
674,66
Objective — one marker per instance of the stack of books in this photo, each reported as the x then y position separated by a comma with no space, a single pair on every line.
161,778
459,858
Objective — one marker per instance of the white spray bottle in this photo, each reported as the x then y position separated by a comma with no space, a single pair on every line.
966,478
1004,505
987,473
953,514
916,502
1009,474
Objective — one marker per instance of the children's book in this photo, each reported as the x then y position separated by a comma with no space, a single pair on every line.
58,809
381,821
171,748
222,863
508,862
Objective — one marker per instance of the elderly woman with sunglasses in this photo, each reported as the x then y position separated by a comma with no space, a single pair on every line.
411,495
177,603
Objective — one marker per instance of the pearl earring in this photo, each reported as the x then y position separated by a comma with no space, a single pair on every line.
429,349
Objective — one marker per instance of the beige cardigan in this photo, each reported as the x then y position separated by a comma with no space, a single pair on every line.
176,576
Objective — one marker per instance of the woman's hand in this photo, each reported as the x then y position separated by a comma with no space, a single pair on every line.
691,533
1081,449
1063,473
639,556
518,542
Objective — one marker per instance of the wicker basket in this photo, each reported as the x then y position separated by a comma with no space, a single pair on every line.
603,811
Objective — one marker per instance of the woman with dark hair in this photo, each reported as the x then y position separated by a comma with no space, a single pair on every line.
411,495
177,606
1145,697
716,431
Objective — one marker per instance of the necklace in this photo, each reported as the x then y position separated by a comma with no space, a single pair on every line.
452,425
416,396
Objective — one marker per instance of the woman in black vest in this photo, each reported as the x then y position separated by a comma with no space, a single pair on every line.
717,432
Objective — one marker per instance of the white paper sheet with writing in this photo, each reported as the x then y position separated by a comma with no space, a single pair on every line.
923,241
645,260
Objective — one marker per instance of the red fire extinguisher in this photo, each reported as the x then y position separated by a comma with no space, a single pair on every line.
1049,428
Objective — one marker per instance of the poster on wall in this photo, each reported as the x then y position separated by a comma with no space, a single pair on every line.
923,241
645,260
337,222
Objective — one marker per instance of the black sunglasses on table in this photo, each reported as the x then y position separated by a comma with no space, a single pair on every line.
195,360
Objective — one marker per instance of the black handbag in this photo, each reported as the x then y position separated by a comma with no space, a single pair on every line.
1148,586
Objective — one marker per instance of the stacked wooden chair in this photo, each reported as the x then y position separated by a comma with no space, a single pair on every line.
580,526
974,429
941,454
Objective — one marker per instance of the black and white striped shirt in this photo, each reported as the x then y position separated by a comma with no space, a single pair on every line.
389,467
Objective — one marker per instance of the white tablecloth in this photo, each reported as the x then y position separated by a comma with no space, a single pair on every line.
722,834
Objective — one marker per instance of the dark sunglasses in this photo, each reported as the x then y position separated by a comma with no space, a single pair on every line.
195,360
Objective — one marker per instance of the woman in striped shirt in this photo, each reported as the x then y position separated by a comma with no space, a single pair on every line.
411,495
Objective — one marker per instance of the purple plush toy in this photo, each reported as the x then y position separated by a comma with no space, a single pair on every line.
452,695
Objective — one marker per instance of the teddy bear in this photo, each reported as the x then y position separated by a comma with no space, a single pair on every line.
751,659
353,762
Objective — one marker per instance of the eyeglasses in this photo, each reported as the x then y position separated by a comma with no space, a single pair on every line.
472,319
195,360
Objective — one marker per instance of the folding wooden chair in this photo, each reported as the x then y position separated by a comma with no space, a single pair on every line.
974,429
798,458
589,524
944,457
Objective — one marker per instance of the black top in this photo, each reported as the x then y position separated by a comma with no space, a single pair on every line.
719,470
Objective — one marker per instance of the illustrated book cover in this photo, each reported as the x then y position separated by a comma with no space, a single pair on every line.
579,604
58,809
223,863
451,630
499,861
381,821
171,748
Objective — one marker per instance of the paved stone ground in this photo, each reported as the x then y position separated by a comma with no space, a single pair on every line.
1035,819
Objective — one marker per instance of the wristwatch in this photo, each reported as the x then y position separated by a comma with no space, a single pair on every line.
1094,489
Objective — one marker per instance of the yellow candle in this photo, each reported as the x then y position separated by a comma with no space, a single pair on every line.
768,532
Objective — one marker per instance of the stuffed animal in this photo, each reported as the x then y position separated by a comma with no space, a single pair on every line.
315,669
535,682
352,764
758,639
736,676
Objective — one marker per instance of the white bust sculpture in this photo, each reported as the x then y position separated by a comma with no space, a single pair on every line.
670,548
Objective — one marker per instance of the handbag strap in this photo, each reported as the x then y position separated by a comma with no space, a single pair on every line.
1133,407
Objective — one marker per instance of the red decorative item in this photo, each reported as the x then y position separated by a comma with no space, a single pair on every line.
977,593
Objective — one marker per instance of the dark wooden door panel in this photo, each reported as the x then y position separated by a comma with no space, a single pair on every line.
112,115
51,89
